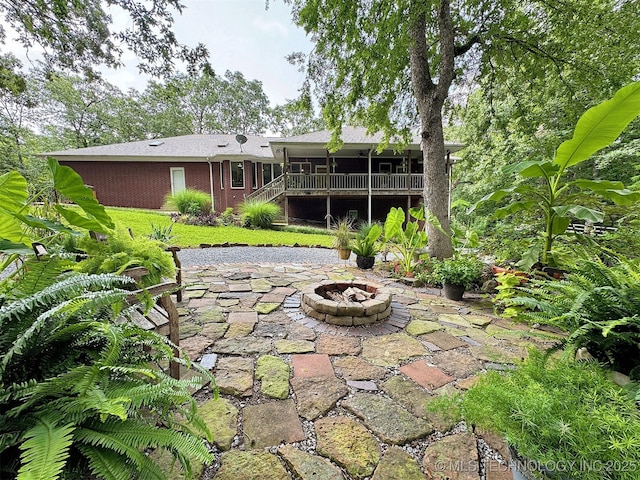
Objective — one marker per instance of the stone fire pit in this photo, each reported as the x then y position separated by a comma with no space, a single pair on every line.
346,303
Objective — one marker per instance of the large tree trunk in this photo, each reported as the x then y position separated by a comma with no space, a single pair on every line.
430,98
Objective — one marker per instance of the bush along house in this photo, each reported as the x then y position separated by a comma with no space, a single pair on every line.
299,173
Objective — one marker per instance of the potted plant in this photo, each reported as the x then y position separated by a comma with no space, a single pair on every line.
342,237
561,418
365,245
457,274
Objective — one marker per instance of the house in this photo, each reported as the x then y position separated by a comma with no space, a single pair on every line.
298,172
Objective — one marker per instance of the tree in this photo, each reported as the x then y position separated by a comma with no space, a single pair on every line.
390,65
79,35
295,117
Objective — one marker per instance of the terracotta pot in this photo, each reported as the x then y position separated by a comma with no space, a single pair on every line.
453,292
344,253
365,263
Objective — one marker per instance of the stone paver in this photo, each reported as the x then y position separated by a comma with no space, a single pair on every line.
366,389
349,444
273,372
309,467
252,465
338,345
317,395
391,350
387,419
426,375
222,419
356,368
443,340
270,424
234,376
312,365
453,458
398,464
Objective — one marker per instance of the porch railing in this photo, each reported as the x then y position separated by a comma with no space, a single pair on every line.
344,182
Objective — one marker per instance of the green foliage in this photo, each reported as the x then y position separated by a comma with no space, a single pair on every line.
121,251
189,202
557,198
597,304
458,270
405,242
228,217
366,242
82,394
342,233
560,413
259,214
162,233
16,223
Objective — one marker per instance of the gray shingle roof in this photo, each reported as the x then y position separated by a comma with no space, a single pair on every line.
351,136
188,146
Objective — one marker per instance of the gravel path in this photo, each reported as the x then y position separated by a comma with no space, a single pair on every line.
211,256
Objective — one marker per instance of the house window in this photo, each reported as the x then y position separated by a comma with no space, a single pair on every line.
401,169
178,183
301,167
384,167
270,171
321,169
237,175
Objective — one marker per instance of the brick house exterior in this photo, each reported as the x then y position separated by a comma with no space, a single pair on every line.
299,172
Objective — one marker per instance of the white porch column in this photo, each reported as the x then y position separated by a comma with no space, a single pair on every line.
369,192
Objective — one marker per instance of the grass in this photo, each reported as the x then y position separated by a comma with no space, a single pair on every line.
192,236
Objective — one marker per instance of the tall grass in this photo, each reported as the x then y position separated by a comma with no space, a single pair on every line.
189,201
259,214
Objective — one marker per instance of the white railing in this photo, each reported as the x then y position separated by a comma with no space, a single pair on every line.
354,181
338,181
268,192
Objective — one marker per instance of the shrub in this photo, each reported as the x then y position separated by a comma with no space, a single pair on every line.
189,202
228,217
560,413
203,220
259,214
459,270
121,251
598,305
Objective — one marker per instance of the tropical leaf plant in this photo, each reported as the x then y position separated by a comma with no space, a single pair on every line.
15,206
405,241
559,200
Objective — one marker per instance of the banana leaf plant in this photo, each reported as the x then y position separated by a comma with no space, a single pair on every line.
555,197
15,204
405,242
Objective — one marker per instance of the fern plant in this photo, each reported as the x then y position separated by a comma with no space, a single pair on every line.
83,395
598,305
121,251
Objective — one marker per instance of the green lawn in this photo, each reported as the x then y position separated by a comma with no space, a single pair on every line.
192,236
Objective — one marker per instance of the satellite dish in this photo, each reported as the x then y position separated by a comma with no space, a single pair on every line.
241,139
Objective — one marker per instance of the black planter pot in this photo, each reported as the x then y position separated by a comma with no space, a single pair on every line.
365,263
453,292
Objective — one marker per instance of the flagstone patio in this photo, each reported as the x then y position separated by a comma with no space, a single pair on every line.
303,399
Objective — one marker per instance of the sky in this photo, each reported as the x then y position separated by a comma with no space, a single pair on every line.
241,35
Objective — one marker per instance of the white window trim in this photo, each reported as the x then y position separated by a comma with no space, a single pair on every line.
221,175
388,168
